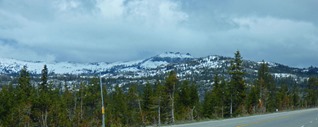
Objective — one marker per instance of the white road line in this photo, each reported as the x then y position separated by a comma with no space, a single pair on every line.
310,122
303,126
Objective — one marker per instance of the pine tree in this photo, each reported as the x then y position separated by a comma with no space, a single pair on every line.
68,102
158,101
24,98
264,82
58,116
170,86
183,101
312,92
136,114
214,102
295,98
237,85
42,101
252,100
208,108
282,97
194,101
224,96
8,103
217,95
147,101
271,104
119,105
44,78
24,82
92,104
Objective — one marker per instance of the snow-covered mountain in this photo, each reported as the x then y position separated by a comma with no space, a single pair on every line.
186,66
11,66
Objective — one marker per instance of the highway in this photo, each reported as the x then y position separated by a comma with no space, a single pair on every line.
300,118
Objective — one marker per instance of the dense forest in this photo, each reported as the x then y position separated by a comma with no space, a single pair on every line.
170,101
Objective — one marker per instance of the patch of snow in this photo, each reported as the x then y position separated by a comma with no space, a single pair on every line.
283,75
130,69
269,64
306,70
152,64
127,63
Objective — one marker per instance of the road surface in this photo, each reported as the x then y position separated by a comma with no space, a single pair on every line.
300,118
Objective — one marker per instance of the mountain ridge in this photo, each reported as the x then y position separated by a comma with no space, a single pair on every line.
10,65
184,63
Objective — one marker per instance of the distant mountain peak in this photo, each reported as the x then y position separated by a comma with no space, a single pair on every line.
175,55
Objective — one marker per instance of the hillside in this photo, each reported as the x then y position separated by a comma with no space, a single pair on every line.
194,69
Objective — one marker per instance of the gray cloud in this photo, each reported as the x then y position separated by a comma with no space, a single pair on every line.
118,30
5,41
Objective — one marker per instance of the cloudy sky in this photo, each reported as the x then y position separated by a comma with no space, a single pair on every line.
284,31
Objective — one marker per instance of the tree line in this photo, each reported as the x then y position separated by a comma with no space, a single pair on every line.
169,101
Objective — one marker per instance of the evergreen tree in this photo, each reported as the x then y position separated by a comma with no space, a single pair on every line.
68,103
136,114
207,105
272,104
215,100
170,86
237,85
194,101
147,97
119,105
58,116
211,100
42,102
295,98
312,92
187,101
217,94
283,98
147,101
264,83
24,93
183,101
24,83
44,78
224,96
252,100
8,102
158,101
92,104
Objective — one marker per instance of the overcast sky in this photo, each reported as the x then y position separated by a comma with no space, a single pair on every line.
284,31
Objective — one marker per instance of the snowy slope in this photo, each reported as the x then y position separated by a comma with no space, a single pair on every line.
13,66
9,66
160,64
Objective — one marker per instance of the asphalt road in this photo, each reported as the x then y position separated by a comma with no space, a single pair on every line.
300,118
